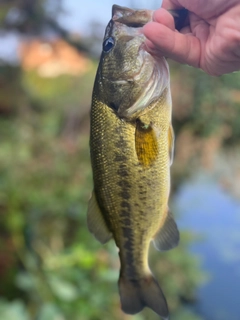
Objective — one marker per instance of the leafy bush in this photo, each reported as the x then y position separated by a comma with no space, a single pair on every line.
55,269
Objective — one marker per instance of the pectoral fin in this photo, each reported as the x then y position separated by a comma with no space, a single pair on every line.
96,223
168,235
146,143
171,143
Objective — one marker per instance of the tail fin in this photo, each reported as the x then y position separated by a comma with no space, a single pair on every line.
135,295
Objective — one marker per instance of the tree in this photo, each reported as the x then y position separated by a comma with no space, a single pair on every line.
35,18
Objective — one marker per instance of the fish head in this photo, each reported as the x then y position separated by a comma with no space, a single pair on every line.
129,77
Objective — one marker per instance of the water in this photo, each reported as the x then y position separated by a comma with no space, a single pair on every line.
207,210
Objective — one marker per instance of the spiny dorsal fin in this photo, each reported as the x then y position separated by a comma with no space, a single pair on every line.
171,143
146,144
167,236
96,223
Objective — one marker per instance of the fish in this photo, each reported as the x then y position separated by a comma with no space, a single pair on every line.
131,148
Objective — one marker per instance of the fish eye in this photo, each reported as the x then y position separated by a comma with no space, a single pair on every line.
108,44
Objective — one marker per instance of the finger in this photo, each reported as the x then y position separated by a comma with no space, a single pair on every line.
186,30
164,17
150,47
169,5
172,44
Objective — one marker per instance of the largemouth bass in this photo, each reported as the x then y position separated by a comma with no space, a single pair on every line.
131,143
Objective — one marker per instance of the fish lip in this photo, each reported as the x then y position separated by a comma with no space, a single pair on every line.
121,81
130,17
137,75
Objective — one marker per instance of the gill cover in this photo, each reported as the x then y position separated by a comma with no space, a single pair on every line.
130,78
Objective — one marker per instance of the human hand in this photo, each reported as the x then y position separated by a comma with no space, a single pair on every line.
210,41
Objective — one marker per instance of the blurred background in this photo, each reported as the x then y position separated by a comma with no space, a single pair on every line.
51,268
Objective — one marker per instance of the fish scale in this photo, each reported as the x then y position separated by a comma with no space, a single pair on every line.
122,183
131,144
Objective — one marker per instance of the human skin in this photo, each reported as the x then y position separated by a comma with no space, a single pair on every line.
210,40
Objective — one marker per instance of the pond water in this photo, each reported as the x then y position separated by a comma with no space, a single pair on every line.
208,211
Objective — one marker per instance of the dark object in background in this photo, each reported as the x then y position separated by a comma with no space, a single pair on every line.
180,18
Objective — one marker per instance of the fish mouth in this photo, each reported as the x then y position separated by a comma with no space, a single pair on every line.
131,18
136,77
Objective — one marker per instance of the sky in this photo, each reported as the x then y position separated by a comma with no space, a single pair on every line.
77,17
80,13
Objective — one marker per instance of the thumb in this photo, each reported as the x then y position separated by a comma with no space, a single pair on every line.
161,40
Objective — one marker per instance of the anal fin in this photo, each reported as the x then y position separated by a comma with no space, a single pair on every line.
167,236
96,223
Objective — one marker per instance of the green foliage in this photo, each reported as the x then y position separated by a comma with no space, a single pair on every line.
206,105
57,270
53,268
28,17
15,310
